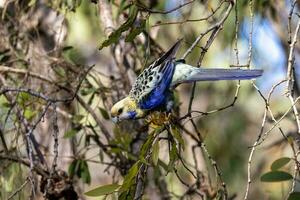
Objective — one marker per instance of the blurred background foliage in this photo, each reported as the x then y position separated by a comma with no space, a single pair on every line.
60,39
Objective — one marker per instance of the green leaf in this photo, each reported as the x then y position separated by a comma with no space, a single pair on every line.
220,195
127,195
4,56
155,152
10,176
77,118
60,71
294,196
162,164
73,55
66,48
31,3
173,157
101,155
6,104
104,113
72,168
144,161
29,114
277,164
85,172
146,145
23,98
88,91
290,140
135,31
114,36
130,177
102,190
122,7
78,168
70,133
275,176
176,133
86,176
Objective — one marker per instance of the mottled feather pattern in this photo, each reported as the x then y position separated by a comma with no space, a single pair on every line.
152,76
145,82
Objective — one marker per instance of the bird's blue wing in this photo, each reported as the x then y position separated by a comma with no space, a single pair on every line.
157,96
152,84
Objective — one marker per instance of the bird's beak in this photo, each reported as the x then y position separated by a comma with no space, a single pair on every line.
115,119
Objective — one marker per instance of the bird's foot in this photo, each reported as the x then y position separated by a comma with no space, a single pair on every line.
158,119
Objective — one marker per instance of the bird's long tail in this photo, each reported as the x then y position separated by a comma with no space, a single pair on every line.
185,73
224,74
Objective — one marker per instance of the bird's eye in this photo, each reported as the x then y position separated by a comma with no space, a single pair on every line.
120,110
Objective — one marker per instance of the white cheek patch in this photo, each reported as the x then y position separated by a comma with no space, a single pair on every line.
115,119
123,116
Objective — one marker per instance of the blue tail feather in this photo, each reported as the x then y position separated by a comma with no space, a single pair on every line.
224,74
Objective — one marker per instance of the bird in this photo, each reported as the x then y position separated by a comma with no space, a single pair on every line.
153,88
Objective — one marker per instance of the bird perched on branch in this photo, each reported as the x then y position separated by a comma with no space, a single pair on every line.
154,87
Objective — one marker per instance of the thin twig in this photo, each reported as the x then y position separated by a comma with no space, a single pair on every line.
18,190
213,12
290,76
143,8
250,33
3,140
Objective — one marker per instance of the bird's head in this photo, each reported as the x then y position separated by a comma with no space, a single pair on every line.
126,108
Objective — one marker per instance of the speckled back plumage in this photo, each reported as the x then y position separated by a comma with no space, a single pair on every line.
153,75
145,82
148,80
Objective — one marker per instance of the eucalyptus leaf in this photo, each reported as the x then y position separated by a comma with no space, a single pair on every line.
77,118
155,152
127,195
176,133
135,31
104,113
4,56
60,71
31,3
66,48
130,177
163,165
72,168
23,98
294,196
102,190
29,114
173,157
123,6
85,172
6,104
279,163
114,36
70,133
88,91
276,176
146,145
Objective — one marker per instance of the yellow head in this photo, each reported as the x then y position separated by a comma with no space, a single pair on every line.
126,108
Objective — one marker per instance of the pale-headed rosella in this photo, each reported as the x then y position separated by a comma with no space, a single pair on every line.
153,88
